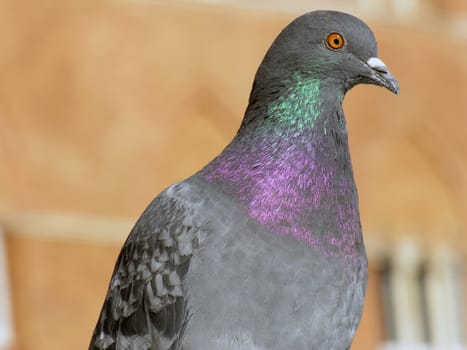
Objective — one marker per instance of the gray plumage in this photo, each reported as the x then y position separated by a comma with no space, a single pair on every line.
262,248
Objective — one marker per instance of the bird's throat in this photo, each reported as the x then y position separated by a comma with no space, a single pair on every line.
292,171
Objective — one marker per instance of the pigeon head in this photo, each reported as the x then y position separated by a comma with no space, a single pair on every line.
335,48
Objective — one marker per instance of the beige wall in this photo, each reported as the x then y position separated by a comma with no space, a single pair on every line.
102,104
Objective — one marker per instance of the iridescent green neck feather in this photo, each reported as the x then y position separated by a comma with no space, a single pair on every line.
300,107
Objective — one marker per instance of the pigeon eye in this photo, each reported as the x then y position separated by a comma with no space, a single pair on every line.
335,41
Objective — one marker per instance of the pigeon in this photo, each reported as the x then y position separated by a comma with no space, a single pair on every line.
261,249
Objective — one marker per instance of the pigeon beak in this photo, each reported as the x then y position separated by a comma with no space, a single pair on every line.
380,75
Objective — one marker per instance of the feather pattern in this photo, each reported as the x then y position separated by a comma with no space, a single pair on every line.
145,307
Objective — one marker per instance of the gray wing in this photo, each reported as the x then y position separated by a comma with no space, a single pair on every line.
145,306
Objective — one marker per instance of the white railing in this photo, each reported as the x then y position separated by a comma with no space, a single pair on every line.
6,325
424,297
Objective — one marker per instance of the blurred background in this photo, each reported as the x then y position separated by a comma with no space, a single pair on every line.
105,103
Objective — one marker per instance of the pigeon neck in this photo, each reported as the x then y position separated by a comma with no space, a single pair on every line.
290,166
294,103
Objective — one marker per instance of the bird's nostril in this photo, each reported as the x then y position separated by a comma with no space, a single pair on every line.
381,69
376,64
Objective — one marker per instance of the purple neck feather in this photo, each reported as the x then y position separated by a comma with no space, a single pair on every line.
295,181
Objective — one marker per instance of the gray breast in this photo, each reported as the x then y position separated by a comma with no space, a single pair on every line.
252,289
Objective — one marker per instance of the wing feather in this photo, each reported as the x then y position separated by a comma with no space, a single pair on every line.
145,306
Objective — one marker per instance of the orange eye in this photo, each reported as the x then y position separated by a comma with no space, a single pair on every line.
335,41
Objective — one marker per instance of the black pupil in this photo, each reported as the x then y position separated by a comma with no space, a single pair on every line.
337,41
